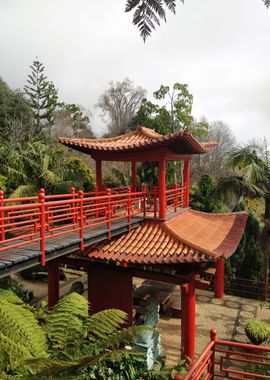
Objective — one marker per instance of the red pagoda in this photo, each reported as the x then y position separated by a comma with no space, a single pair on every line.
170,243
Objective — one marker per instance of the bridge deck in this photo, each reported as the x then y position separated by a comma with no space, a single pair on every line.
22,257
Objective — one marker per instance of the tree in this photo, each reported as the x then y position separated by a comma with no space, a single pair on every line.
119,105
213,162
247,261
14,109
71,121
148,13
173,114
251,179
42,95
39,165
204,199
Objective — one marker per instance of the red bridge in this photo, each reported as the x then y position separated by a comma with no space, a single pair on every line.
40,228
118,234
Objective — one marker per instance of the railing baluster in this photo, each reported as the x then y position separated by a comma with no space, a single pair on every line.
42,221
80,194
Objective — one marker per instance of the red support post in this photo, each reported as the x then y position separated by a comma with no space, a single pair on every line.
144,201
2,215
129,206
219,279
186,183
109,213
162,189
53,283
81,219
42,222
73,193
133,170
99,174
175,197
188,303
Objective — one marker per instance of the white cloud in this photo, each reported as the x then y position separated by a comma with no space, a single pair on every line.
218,47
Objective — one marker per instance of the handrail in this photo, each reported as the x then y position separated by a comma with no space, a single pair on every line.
40,218
226,359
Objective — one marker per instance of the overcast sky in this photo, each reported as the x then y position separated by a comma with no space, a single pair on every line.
220,48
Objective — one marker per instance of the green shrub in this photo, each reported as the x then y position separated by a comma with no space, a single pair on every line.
257,331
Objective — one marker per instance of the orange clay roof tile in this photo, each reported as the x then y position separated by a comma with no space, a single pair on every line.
140,139
190,237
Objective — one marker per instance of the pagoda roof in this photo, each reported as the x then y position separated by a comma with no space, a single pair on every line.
140,139
190,237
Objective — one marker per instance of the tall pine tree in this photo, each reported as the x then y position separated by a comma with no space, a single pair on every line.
42,95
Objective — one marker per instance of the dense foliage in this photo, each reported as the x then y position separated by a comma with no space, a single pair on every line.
30,157
69,343
203,196
257,331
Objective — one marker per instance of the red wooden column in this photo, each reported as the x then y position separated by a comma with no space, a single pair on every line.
108,288
219,279
188,303
99,174
186,182
162,189
53,283
133,170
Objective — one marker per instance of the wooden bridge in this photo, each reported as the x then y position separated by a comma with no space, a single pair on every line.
41,228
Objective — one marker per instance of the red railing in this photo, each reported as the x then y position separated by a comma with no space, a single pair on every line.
38,219
223,359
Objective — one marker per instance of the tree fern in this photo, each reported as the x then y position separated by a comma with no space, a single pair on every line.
20,326
66,326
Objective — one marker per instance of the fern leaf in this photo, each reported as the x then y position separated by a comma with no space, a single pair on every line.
104,323
12,353
19,325
66,326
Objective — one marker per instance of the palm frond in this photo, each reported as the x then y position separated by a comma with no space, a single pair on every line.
266,3
243,156
230,186
50,178
147,13
24,191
